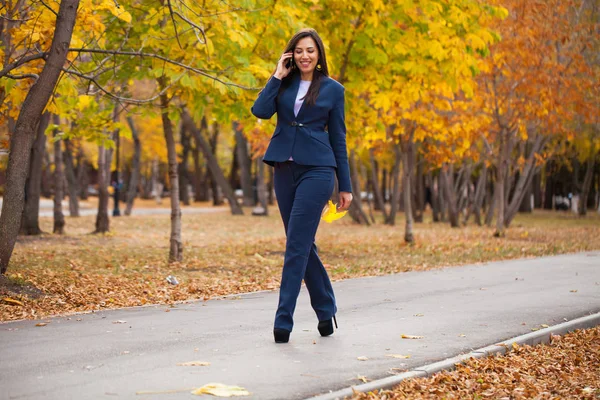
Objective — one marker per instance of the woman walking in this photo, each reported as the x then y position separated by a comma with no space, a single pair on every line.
307,150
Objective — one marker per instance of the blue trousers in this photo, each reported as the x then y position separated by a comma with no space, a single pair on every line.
302,191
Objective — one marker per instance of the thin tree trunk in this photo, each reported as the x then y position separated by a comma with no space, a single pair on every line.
213,165
83,174
377,193
480,195
420,188
104,163
200,192
356,211
135,168
175,242
214,185
46,189
59,218
71,179
395,198
182,168
261,188
499,196
587,183
524,181
25,130
435,197
447,176
30,224
384,185
407,172
244,162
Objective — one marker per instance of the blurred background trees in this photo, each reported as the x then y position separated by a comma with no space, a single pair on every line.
473,109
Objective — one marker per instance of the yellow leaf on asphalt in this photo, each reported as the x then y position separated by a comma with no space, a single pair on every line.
419,315
412,337
398,355
194,364
12,301
41,324
362,358
545,326
221,390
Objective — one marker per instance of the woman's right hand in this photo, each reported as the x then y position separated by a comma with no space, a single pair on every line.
281,71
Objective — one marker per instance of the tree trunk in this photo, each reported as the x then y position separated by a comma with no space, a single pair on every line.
435,196
83,174
420,188
407,172
59,218
71,179
447,178
234,179
480,195
377,193
135,168
537,190
395,198
176,245
46,188
244,162
499,201
214,185
384,185
104,162
213,165
525,178
182,168
356,210
30,224
24,133
261,188
587,183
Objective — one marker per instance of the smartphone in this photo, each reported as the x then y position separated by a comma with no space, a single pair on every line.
290,63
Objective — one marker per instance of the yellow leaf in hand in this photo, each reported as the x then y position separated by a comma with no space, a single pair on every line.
331,214
220,390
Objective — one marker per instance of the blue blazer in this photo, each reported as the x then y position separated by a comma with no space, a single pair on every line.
317,136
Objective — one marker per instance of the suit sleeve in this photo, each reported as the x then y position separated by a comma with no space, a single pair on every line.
337,137
265,105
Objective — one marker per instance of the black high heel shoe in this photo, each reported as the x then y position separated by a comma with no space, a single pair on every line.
281,335
326,327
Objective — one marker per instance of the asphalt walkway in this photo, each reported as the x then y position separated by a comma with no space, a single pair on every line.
115,354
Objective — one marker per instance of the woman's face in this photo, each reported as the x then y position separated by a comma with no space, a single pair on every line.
306,54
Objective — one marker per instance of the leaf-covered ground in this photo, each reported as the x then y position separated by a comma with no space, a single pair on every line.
567,368
224,254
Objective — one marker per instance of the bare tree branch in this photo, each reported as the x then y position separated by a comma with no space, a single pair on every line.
165,59
49,8
23,76
21,61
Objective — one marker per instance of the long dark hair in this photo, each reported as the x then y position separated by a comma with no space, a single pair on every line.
313,90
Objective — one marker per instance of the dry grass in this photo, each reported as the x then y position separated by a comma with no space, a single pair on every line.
567,368
224,254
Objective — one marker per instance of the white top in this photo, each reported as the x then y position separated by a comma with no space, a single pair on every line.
302,90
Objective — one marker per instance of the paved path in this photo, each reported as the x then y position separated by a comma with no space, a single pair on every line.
92,357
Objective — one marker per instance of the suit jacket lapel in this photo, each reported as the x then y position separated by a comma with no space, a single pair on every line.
289,96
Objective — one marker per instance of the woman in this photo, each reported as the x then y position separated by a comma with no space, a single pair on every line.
307,149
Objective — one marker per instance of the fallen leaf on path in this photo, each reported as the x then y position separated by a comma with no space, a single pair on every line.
119,322
41,324
194,364
12,301
412,337
398,355
362,358
221,390
574,291
419,315
545,326
462,335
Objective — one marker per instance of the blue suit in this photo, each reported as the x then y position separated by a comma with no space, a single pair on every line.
316,140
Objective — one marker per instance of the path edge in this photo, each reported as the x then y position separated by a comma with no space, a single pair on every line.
531,339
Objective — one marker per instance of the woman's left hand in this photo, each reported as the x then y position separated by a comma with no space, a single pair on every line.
345,200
